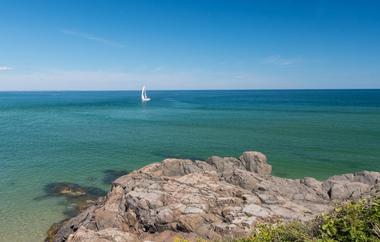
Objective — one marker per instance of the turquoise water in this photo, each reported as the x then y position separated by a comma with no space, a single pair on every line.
76,136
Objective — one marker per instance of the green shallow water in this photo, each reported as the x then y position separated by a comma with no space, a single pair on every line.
75,137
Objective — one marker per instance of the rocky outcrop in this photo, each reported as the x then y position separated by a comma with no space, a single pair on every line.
213,199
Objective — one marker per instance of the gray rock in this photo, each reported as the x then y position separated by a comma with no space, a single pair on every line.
223,196
165,216
256,210
245,179
342,191
105,235
225,165
256,162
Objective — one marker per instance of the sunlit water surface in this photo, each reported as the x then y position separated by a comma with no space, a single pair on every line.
75,137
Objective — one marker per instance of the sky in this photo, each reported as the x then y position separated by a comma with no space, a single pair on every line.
183,44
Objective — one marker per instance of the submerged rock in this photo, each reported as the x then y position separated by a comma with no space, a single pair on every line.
214,199
72,190
64,189
77,197
111,175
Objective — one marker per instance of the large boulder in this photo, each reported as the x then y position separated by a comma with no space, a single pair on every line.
221,198
256,162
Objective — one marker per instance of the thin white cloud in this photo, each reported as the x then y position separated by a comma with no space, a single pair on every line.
92,80
122,80
158,69
174,80
279,60
5,68
92,38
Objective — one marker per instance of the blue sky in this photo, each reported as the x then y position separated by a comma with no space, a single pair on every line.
182,44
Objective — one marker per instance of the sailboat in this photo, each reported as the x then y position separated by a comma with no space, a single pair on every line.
144,97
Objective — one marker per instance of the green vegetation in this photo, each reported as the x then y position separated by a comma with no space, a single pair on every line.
294,231
354,221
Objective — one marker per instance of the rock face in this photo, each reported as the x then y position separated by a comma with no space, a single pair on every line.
213,199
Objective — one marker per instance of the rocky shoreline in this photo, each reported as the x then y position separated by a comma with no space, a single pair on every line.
222,197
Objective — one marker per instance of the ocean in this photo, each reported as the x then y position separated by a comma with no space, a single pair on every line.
89,138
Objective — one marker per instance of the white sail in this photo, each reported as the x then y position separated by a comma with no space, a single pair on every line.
144,97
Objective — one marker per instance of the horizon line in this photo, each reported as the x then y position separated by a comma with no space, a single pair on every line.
236,89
